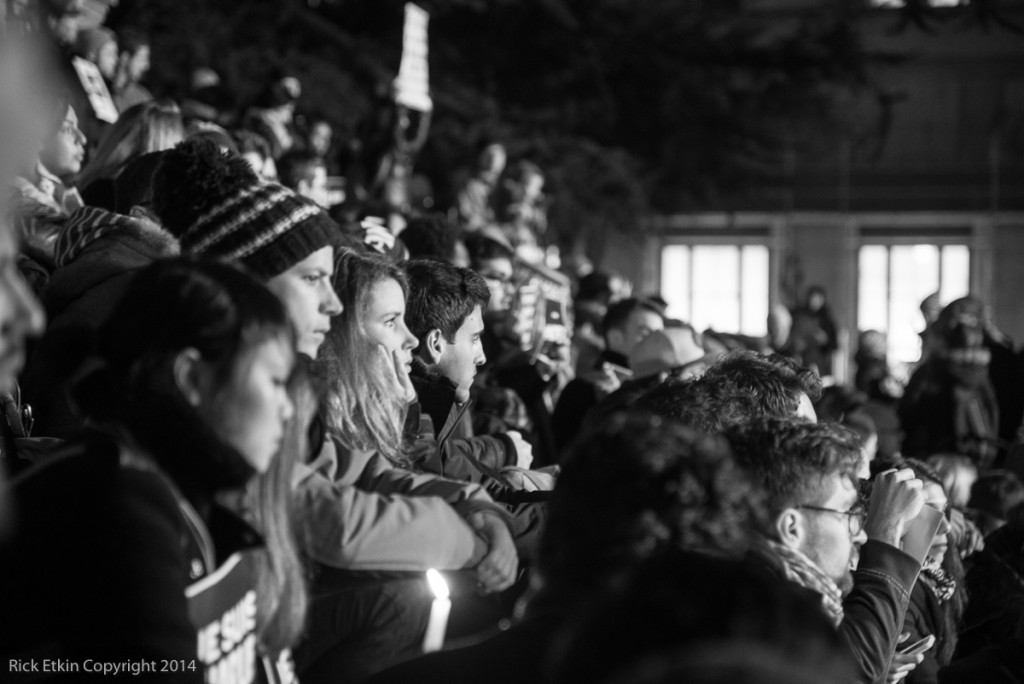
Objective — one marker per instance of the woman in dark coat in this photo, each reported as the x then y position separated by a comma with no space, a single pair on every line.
124,556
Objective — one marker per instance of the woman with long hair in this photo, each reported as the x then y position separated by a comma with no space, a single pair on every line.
143,128
124,553
370,392
376,525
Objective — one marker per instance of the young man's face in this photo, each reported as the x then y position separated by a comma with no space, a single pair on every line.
459,359
828,541
305,290
497,273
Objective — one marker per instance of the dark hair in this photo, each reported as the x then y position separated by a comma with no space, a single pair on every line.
277,93
441,297
791,457
699,404
482,248
637,483
678,601
618,313
774,381
837,401
131,40
432,236
134,185
250,141
595,286
996,493
173,305
178,303
295,166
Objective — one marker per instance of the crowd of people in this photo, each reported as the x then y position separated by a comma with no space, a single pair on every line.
239,426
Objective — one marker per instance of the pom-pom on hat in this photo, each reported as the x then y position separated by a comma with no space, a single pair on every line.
216,206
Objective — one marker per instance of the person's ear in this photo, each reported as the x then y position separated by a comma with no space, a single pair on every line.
433,347
191,376
789,527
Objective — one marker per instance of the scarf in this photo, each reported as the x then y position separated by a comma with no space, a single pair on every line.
940,583
801,570
83,227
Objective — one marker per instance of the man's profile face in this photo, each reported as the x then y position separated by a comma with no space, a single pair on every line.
828,541
459,359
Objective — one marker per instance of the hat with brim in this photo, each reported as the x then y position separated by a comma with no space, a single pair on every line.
664,351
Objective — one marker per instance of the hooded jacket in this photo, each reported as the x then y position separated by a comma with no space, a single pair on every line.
98,253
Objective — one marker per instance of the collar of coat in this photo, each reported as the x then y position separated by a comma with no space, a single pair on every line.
436,394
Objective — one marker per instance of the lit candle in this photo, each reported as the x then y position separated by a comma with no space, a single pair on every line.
433,640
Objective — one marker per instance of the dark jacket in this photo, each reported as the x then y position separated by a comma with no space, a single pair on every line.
924,617
80,297
511,371
108,545
874,609
944,410
457,453
576,400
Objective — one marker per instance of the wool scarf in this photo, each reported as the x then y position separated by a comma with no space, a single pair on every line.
802,570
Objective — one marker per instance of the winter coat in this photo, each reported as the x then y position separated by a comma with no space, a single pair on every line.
578,397
874,609
457,453
943,411
113,553
360,512
98,253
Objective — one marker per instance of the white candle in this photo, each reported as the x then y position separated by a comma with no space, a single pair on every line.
433,640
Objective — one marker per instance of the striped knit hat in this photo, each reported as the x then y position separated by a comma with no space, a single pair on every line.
216,206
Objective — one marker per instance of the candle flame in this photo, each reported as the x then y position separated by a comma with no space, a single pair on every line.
437,584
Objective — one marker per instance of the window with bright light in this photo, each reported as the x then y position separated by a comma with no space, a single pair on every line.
893,280
724,287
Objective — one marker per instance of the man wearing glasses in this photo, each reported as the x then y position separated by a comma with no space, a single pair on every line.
823,536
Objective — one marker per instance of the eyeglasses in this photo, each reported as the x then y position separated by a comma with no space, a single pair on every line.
854,517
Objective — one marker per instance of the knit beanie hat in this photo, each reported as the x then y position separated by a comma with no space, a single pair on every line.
216,206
